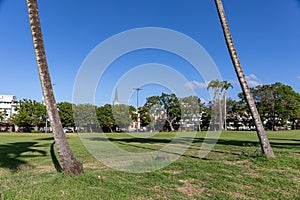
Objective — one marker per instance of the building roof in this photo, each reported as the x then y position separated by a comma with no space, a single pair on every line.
7,98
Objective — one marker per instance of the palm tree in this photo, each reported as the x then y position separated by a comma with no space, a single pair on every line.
216,103
264,142
225,86
216,85
69,163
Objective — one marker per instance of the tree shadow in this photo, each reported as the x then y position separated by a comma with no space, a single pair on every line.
150,148
226,142
11,154
54,159
285,139
46,139
293,145
140,140
285,145
134,141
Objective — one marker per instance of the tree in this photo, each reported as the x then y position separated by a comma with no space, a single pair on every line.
165,107
225,85
264,142
239,115
277,104
30,114
69,164
216,105
191,111
216,85
105,118
155,111
286,104
172,109
66,114
122,115
2,115
85,116
144,116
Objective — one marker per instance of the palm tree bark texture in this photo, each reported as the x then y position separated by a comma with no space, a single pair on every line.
225,86
69,164
264,142
216,124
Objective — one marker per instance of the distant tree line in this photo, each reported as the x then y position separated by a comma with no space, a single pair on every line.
278,105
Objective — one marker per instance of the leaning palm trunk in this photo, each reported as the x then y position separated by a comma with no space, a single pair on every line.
225,111
264,142
69,163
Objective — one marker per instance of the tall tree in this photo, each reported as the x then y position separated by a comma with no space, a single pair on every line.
216,105
105,118
69,163
216,85
66,114
85,116
30,114
144,115
191,111
164,108
264,142
225,86
278,104
122,115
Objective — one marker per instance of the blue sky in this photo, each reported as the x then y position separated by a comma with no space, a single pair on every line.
266,35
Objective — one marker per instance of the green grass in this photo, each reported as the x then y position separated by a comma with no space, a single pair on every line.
234,169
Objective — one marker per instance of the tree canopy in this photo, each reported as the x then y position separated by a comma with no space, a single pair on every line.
277,104
30,113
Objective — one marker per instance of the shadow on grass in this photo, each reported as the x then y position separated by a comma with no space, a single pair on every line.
11,154
140,140
133,142
292,145
54,159
46,139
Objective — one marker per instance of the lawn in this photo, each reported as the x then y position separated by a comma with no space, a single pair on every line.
234,169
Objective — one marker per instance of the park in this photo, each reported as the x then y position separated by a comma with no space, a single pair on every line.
233,169
222,145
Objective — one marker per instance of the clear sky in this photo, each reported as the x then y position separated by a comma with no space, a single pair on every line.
266,34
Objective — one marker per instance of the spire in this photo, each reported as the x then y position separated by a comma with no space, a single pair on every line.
116,99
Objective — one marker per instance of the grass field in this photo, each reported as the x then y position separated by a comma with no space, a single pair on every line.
234,169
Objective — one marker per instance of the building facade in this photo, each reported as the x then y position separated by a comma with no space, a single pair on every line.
9,104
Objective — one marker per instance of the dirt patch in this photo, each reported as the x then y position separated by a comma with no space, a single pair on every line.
242,187
244,164
238,163
240,196
156,187
173,171
94,165
296,154
296,178
281,170
190,189
46,168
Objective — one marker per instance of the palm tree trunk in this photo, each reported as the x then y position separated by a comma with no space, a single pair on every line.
69,163
264,142
225,111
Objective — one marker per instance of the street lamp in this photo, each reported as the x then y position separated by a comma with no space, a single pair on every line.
137,108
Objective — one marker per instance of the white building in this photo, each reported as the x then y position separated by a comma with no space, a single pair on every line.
9,104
